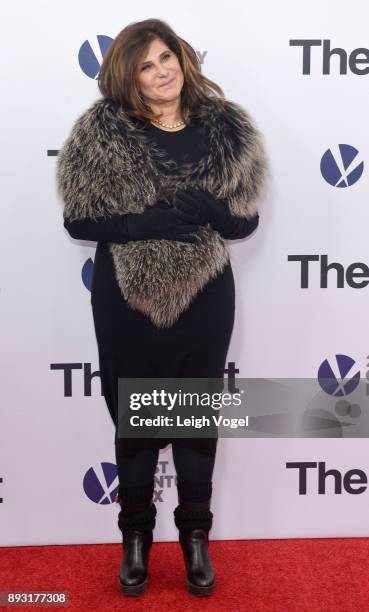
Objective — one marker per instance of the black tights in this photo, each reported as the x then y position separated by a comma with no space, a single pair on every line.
191,466
194,485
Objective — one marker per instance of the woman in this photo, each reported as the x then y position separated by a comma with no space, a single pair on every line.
160,172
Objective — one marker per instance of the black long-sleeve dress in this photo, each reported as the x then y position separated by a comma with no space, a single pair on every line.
129,344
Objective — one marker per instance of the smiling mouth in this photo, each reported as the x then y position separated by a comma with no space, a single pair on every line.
166,84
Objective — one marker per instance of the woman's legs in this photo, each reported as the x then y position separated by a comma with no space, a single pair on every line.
191,465
136,488
194,459
194,487
138,469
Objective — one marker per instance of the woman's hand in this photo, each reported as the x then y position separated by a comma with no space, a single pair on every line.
197,205
161,221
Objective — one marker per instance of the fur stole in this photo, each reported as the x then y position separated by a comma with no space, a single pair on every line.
106,166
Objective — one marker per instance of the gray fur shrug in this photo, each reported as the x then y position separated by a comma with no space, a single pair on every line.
106,167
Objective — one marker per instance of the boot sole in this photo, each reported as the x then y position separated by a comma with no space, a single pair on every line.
133,589
195,589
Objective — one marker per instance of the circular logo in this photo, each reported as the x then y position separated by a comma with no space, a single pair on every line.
337,379
91,54
100,484
340,168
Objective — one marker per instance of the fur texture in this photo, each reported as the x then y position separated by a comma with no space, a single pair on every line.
106,166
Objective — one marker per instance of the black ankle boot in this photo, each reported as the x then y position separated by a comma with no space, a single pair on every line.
194,520
199,569
133,574
136,522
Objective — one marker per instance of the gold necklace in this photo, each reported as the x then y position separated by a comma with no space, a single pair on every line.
167,124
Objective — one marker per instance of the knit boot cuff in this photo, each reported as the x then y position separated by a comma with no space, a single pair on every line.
186,519
143,520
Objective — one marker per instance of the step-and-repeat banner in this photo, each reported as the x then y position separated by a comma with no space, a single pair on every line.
302,70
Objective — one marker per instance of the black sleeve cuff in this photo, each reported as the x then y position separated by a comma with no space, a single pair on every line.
239,227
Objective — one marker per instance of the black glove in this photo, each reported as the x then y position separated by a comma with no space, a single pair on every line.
160,221
197,205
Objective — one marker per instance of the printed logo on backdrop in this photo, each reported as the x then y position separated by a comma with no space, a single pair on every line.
100,483
355,275
313,477
87,271
91,54
339,377
327,60
340,167
78,375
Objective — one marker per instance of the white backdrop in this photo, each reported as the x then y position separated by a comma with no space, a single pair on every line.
55,446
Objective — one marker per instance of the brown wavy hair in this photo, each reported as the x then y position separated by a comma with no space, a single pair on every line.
118,74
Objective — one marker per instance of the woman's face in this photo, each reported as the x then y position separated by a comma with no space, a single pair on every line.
158,67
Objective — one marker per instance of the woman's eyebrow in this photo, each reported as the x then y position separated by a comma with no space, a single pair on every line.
149,61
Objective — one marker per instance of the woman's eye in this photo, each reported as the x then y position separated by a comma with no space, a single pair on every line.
164,57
